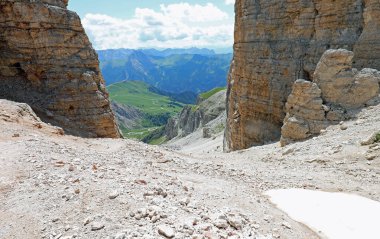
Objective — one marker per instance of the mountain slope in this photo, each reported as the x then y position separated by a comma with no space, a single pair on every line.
208,116
168,72
138,94
55,186
140,107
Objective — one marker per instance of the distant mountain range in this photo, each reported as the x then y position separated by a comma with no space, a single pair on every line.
120,54
171,70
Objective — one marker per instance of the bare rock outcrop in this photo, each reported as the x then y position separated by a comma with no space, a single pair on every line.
47,61
306,114
337,89
192,118
21,114
127,116
280,41
342,85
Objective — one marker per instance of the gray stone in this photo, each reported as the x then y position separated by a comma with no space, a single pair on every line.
166,231
96,226
113,195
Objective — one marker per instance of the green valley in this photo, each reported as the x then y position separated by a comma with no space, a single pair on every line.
140,108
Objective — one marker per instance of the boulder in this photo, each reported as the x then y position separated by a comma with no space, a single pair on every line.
337,90
342,85
306,114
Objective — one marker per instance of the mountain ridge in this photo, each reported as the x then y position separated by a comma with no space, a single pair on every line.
120,53
174,73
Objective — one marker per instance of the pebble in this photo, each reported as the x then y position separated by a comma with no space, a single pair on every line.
71,168
184,201
120,236
59,164
165,231
287,225
87,221
289,150
370,140
343,127
221,223
235,221
68,237
370,157
165,160
58,236
96,226
113,195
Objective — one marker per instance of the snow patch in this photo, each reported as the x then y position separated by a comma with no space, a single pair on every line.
330,215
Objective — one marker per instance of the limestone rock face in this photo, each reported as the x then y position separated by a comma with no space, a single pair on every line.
337,90
192,118
280,41
47,61
126,115
306,114
189,120
342,85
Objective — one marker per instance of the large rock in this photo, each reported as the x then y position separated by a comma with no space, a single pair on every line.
306,114
280,41
342,85
47,61
337,89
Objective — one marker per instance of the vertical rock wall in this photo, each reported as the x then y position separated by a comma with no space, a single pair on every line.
47,61
280,41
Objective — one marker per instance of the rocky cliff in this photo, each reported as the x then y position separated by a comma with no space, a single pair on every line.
192,118
47,61
280,41
127,116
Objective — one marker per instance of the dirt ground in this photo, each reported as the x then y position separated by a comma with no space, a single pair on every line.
57,186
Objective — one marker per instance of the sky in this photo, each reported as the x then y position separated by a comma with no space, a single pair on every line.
159,24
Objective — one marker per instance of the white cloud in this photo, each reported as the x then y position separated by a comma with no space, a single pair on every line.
229,2
173,26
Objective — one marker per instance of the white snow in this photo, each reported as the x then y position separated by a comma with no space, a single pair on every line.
331,215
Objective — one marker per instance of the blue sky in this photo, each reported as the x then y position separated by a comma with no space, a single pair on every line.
157,24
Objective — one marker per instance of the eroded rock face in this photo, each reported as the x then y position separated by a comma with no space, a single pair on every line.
342,85
280,41
336,91
192,118
47,61
306,114
127,116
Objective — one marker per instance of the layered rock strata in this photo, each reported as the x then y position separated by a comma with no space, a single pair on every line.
47,61
306,114
341,84
337,90
280,41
